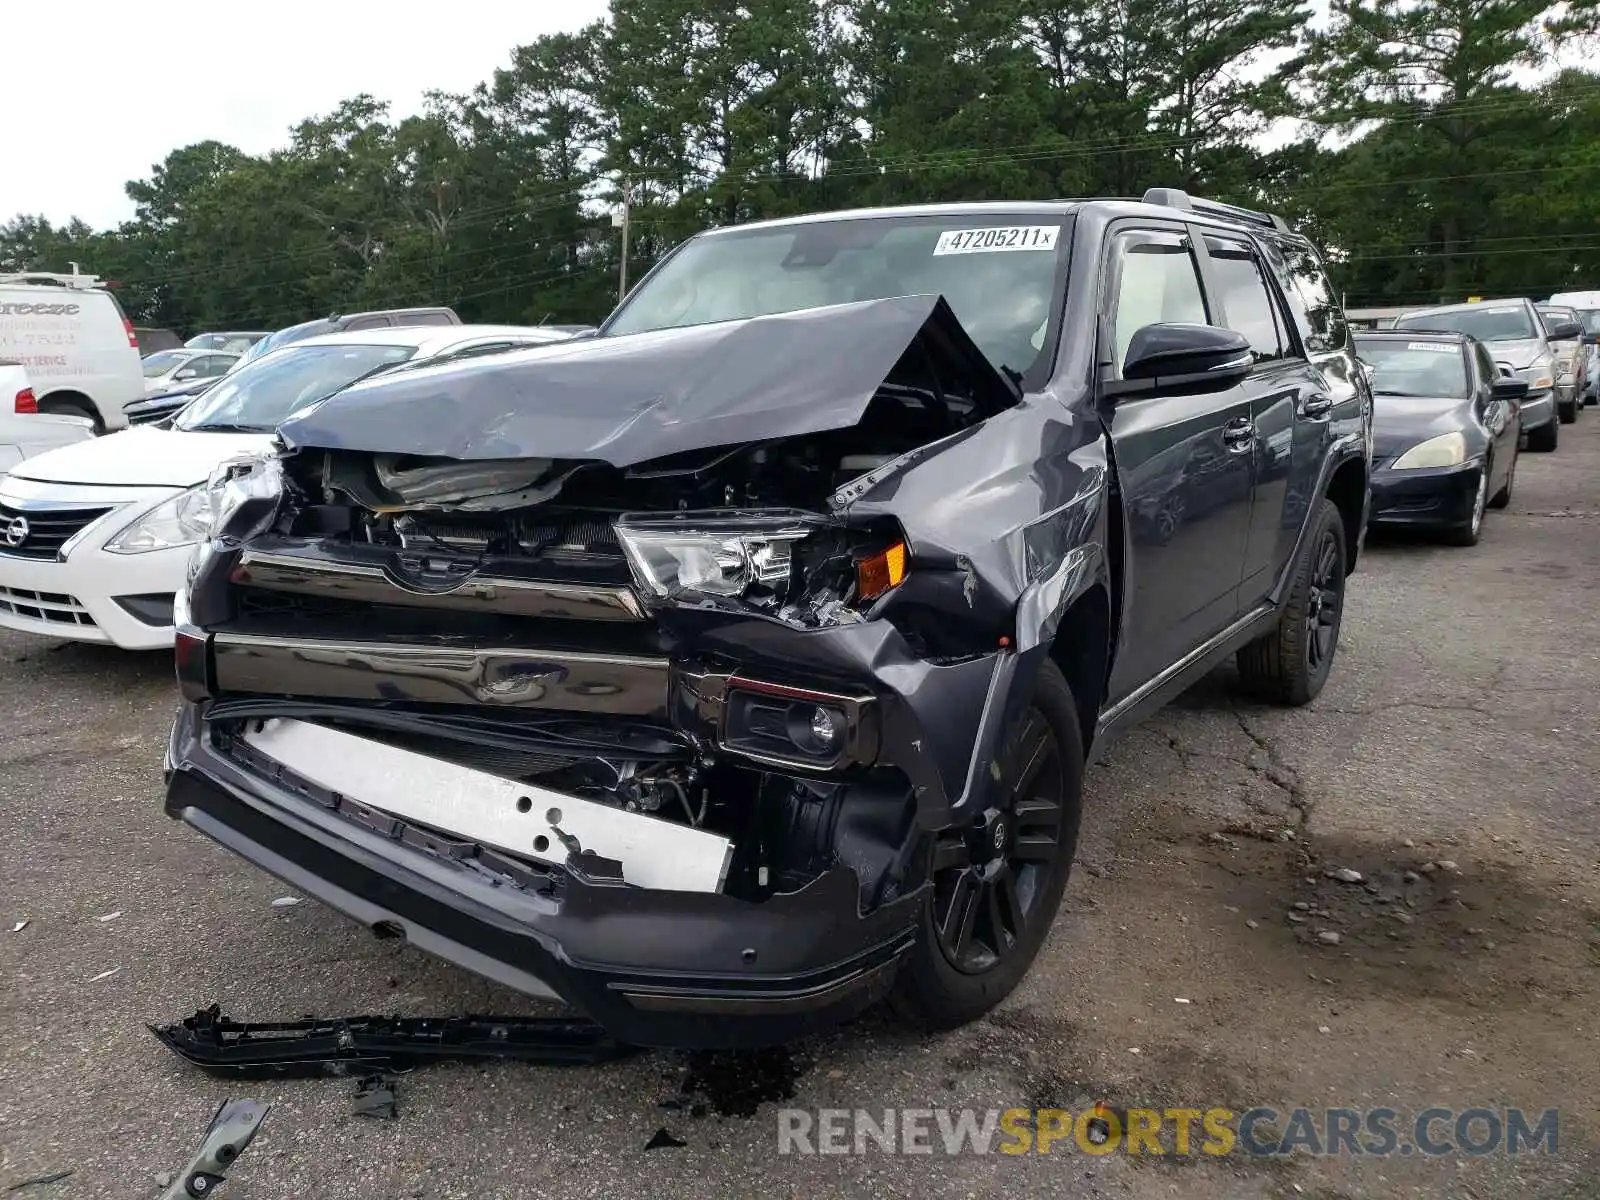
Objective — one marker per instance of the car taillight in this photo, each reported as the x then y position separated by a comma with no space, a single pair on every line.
133,338
27,402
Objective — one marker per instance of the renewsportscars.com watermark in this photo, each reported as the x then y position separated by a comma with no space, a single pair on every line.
1179,1132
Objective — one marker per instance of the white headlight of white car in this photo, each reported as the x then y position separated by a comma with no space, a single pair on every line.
1446,450
180,521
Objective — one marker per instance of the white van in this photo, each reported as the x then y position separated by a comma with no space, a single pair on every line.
76,343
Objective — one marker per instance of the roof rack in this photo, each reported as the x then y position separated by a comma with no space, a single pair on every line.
1177,198
52,279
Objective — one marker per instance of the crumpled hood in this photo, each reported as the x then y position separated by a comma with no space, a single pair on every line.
1517,354
635,397
142,456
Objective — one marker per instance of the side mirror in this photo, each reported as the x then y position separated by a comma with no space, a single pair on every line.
1177,356
185,373
1561,330
1509,389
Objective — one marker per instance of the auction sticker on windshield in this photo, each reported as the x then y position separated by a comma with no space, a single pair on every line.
997,238
1436,347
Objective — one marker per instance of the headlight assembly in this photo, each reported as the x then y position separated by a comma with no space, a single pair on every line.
180,521
1446,450
716,552
1540,374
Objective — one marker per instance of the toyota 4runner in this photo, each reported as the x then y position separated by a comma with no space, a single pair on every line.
737,666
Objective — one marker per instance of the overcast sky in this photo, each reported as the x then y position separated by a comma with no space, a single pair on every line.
101,90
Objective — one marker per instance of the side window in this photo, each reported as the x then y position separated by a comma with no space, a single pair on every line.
211,366
429,319
1246,299
366,323
1156,281
1312,299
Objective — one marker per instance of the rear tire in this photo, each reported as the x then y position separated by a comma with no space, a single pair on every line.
990,907
1543,439
72,408
1289,665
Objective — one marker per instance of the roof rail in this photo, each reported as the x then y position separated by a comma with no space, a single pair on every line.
52,279
1177,198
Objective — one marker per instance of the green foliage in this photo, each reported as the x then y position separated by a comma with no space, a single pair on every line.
1427,163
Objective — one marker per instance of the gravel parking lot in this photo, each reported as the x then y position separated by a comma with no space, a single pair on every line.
1459,728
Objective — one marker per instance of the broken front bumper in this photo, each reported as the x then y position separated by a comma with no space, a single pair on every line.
654,967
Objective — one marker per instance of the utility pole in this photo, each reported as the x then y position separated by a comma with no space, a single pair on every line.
627,200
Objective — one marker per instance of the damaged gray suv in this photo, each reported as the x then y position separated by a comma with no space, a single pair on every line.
738,666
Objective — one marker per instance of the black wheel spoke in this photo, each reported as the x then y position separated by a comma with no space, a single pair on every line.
950,851
962,913
1007,907
1033,848
1324,574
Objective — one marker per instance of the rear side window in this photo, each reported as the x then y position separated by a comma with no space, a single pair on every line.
1247,303
366,323
438,318
1310,297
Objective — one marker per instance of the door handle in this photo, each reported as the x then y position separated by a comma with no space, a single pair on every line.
1319,404
1239,433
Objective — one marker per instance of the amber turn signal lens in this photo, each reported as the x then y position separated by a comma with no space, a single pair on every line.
884,570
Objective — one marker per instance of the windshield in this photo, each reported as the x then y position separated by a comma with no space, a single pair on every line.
282,338
162,361
997,272
260,397
1488,323
1589,318
1414,368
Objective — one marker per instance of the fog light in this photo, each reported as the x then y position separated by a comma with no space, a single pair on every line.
824,728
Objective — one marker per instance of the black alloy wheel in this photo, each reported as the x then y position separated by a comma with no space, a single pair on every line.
989,880
995,882
1325,602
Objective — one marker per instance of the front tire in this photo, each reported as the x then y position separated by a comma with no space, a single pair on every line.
1468,534
997,883
1543,439
1567,413
1289,665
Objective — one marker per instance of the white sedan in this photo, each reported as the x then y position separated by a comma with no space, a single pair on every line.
167,369
95,538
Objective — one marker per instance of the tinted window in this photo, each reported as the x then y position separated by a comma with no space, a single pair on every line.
998,273
1486,322
1414,367
210,365
1313,299
1247,304
265,393
366,323
425,319
1156,282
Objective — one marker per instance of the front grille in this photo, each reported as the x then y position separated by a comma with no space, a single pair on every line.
41,532
54,607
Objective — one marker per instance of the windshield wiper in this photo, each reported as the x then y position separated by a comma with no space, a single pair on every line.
227,427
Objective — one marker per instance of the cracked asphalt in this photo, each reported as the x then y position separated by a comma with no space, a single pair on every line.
1459,728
